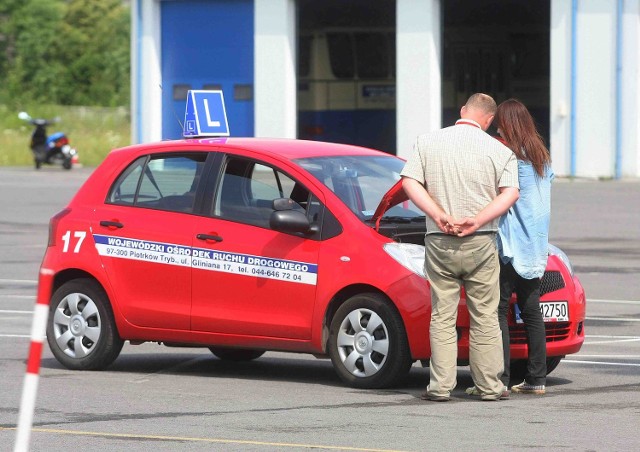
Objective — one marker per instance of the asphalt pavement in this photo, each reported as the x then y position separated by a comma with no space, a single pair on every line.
156,398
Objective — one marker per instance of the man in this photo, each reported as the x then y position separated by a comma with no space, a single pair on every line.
464,180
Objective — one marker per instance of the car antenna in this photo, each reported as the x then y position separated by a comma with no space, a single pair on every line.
174,111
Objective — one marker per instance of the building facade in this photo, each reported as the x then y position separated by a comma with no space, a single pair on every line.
379,72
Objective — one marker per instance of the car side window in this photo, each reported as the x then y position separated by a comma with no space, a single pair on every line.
247,190
125,188
160,182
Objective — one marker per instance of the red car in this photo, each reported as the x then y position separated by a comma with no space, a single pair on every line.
249,245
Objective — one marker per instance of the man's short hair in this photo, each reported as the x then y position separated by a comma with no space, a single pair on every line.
484,102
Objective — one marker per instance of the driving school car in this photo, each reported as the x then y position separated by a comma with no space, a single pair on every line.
244,245
248,245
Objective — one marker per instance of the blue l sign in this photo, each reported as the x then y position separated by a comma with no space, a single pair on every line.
205,115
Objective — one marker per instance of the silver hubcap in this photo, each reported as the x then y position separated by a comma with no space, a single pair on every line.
76,325
363,342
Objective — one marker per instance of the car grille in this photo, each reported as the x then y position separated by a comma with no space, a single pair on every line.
551,281
556,331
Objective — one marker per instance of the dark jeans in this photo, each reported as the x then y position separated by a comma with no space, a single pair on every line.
528,299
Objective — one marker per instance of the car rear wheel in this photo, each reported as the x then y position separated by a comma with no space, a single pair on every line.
81,329
236,354
368,344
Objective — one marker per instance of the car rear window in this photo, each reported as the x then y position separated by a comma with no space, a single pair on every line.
164,182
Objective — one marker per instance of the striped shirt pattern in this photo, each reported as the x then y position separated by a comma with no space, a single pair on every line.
462,168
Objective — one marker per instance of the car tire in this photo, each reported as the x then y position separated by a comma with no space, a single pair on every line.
519,368
236,354
552,363
81,329
367,355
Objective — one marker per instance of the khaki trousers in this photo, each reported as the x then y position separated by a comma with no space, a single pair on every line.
472,262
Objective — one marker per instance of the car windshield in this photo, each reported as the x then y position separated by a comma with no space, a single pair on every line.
361,182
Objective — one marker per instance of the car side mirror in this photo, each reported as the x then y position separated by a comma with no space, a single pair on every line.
290,222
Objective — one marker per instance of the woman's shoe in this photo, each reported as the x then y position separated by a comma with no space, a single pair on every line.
526,388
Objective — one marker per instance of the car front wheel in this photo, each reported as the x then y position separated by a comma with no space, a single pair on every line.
368,344
81,329
519,367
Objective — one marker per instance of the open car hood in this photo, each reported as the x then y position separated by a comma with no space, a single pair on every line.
393,197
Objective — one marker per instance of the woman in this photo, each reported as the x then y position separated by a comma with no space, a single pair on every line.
523,239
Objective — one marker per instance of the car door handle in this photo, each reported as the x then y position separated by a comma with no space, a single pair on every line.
215,238
111,224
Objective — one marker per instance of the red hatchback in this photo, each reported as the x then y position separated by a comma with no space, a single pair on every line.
249,245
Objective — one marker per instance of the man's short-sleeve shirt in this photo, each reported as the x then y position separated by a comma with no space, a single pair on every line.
462,168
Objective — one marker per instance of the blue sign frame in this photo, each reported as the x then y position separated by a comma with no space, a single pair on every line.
205,115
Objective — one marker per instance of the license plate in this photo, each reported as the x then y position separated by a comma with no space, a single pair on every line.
552,311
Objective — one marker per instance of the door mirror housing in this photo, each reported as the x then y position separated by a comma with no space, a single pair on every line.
290,217
290,222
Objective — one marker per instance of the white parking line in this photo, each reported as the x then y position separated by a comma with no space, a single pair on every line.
8,311
613,341
613,319
25,297
589,300
584,355
16,335
607,336
19,281
600,363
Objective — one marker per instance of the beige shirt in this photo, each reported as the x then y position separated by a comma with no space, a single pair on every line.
462,168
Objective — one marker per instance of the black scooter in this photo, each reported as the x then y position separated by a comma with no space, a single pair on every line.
51,150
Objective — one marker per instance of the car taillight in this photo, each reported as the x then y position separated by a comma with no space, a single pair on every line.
53,225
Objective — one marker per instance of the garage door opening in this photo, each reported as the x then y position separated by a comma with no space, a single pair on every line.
500,47
346,72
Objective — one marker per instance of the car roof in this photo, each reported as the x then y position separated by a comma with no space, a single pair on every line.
282,147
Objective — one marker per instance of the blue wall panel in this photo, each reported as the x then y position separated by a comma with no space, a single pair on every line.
207,43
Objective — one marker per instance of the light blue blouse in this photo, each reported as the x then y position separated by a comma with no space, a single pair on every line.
523,232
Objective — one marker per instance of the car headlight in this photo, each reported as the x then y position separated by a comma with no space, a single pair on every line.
408,255
555,251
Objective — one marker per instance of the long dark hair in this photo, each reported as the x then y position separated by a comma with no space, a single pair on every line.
521,135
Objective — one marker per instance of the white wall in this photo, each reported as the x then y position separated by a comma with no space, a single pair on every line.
560,87
596,82
418,69
146,76
630,164
596,108
275,110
